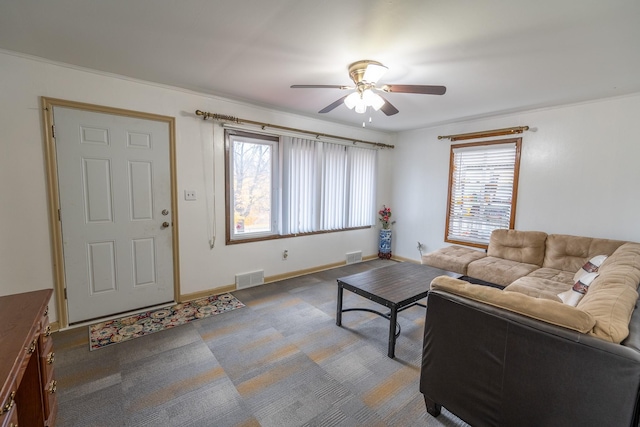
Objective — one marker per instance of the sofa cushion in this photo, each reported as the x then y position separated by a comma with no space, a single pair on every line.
612,297
573,296
590,266
538,308
564,277
533,292
623,265
452,258
569,253
539,288
521,246
498,270
611,305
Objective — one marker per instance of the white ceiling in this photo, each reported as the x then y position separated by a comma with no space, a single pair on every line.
494,56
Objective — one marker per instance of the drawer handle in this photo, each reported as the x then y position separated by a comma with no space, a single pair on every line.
51,357
47,331
52,388
32,347
10,402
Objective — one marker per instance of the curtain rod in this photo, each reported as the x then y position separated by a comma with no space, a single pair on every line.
483,134
221,117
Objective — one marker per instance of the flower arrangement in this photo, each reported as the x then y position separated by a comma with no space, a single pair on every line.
385,215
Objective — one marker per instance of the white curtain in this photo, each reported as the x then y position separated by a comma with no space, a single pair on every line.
334,188
362,186
300,195
326,186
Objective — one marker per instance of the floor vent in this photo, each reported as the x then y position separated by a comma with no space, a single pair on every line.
247,280
353,257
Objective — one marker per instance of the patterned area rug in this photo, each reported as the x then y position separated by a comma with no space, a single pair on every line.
137,325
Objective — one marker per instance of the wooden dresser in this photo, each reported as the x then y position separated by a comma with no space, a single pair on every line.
27,396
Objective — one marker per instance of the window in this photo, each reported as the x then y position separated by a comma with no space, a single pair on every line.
252,166
280,187
483,188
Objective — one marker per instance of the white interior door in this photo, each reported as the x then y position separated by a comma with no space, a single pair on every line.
114,182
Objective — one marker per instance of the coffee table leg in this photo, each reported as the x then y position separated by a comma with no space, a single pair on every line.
339,309
393,319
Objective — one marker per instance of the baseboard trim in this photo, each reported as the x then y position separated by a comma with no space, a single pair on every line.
403,259
268,279
207,293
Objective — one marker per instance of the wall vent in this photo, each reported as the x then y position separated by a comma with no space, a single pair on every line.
247,280
353,257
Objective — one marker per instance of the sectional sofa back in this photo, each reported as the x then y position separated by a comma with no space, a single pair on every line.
569,253
521,246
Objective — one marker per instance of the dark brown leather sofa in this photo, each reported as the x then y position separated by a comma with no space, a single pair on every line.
494,367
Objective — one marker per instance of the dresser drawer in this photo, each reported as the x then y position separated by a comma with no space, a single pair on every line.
9,417
45,335
47,359
50,398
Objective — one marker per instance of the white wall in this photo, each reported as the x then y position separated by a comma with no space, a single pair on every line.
25,246
579,174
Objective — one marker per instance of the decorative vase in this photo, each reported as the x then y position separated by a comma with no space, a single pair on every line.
384,244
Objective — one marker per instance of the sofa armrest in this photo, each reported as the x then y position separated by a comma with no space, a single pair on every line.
542,309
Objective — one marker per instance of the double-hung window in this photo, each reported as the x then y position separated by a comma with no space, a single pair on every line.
286,186
483,188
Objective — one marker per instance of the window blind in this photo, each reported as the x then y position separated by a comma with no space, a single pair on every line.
327,186
362,186
483,184
333,191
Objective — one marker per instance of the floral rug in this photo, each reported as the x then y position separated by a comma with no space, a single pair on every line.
137,325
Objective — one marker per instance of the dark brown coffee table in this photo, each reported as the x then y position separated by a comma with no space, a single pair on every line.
396,287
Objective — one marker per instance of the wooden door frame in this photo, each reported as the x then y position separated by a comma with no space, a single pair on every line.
55,225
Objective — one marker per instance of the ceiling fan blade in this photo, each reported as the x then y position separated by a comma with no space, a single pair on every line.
423,89
388,108
333,105
320,87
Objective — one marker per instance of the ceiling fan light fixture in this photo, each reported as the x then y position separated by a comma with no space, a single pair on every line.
352,100
365,74
361,108
374,72
373,99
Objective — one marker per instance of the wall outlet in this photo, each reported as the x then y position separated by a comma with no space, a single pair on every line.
190,195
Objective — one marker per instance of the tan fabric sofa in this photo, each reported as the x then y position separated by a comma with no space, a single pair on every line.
517,354
541,266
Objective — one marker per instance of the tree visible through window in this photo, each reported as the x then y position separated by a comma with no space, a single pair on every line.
253,173
483,188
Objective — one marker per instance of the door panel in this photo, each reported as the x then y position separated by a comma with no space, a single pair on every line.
114,181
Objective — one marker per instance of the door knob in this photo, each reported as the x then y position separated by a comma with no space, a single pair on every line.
165,212
165,224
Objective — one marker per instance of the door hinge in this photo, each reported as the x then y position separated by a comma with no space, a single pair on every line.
65,293
59,215
53,131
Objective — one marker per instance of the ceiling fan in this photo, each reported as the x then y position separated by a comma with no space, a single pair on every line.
365,74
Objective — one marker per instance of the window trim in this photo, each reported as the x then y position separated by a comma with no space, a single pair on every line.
514,192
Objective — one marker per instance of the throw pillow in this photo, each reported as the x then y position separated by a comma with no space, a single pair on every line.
573,296
590,266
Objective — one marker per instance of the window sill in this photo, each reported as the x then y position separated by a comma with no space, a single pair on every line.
230,241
